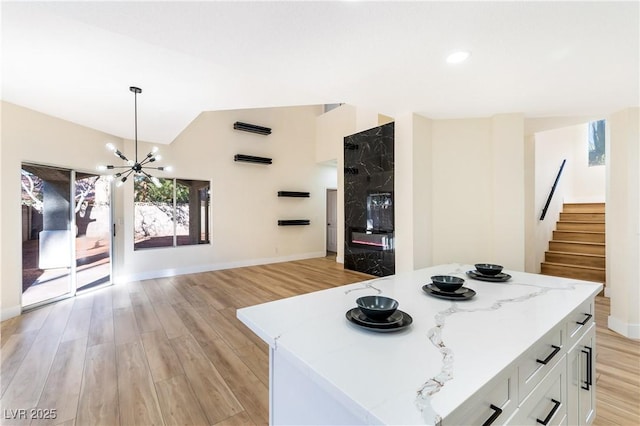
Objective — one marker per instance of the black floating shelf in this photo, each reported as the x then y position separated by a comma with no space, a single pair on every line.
251,159
246,127
292,194
293,222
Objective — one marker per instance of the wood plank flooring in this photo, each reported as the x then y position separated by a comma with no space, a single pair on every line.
171,351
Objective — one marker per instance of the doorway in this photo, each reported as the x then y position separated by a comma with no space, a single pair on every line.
332,220
66,238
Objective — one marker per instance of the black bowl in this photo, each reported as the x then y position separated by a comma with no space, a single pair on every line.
377,307
447,282
488,268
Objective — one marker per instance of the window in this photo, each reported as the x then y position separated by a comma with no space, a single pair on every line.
175,214
596,142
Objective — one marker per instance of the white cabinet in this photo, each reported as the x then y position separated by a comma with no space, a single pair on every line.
536,363
581,375
552,383
495,404
547,404
579,321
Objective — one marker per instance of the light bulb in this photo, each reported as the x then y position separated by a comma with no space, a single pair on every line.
167,168
119,183
157,158
111,147
156,181
154,149
130,163
101,168
458,57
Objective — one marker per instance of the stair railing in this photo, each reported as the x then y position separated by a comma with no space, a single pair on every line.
553,189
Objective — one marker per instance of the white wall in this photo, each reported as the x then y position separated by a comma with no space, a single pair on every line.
623,222
245,206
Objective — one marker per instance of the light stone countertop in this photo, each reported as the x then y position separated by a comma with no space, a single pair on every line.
421,374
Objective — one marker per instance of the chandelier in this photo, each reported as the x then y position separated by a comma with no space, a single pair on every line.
135,166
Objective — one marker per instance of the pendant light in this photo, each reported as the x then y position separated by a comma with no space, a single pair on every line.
138,167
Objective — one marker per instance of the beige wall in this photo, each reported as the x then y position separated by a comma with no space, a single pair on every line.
28,136
331,128
587,184
508,190
550,148
413,192
245,206
623,222
451,173
478,191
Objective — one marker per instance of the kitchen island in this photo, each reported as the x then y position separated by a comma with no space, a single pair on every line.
518,352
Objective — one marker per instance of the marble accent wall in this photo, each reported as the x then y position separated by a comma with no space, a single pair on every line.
368,201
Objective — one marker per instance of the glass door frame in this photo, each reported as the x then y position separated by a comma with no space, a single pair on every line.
111,239
73,289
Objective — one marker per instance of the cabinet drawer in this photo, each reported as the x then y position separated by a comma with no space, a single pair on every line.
547,404
493,404
579,321
539,360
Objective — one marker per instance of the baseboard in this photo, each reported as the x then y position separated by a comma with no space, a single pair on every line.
171,272
632,331
11,312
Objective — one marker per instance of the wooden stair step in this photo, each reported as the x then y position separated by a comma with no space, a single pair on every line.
584,236
580,226
583,207
577,247
572,271
576,259
582,217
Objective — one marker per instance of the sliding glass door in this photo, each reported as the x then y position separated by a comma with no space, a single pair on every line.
66,238
93,231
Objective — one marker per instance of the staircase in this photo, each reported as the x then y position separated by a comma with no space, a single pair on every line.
577,249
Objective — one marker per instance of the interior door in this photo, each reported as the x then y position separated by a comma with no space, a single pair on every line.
332,220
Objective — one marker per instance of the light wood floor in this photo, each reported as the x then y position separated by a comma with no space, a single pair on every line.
171,351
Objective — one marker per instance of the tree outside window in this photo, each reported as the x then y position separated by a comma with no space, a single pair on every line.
597,142
174,214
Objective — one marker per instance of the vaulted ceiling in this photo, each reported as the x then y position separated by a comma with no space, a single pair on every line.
76,60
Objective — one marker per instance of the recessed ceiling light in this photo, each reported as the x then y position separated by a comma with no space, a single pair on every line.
459,56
